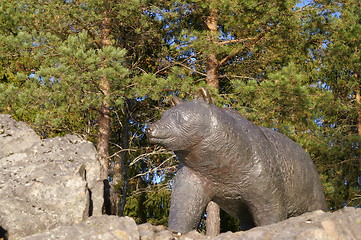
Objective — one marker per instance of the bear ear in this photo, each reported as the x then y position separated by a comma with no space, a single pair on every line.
204,94
176,100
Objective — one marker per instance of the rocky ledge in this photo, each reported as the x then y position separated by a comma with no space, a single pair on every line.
341,225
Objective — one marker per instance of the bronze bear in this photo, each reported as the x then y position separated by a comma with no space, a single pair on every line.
253,173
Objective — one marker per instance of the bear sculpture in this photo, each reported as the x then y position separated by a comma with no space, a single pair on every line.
255,174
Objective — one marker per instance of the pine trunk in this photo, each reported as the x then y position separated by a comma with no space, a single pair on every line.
212,61
104,112
104,115
212,71
103,138
213,222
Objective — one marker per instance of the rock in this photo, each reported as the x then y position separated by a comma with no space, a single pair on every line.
146,231
191,235
101,227
342,224
15,136
45,183
150,232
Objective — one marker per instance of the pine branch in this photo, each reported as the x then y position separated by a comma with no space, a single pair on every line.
190,69
248,45
235,41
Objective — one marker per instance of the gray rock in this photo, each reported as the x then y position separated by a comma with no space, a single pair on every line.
344,224
192,235
150,232
15,136
102,228
146,231
45,183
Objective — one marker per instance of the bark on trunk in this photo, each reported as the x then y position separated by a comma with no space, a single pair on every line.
103,147
103,139
213,222
212,61
104,114
212,71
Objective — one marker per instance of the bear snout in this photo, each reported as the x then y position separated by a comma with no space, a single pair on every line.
153,133
148,131
156,133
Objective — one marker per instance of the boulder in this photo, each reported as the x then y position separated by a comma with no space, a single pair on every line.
15,136
45,183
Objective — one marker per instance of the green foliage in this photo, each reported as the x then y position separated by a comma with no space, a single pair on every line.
64,92
283,100
338,146
150,206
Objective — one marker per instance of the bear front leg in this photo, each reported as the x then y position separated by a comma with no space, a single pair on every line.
267,205
189,199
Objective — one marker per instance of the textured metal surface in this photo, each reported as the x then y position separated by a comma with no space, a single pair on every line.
252,172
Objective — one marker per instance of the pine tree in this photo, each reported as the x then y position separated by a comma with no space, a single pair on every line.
340,138
75,47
